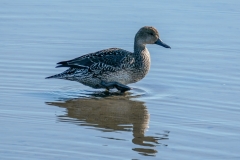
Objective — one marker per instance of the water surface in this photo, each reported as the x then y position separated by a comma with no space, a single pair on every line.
187,107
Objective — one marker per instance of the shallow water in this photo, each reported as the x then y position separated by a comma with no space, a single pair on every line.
187,107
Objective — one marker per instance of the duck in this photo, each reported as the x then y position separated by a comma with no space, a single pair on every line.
113,67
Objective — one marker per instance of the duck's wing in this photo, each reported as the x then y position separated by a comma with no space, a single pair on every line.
112,58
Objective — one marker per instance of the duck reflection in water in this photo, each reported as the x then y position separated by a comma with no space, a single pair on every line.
113,113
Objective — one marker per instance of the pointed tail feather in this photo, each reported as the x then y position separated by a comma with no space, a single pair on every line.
64,75
54,76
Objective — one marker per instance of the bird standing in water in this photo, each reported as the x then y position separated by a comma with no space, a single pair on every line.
113,67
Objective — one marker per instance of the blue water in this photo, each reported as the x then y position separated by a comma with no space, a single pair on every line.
187,107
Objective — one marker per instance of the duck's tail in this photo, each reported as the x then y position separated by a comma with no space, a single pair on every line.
59,76
68,74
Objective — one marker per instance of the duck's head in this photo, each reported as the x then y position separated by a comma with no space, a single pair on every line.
149,35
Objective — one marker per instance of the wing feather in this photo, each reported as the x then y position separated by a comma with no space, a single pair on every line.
109,59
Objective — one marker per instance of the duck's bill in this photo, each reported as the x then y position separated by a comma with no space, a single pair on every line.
160,42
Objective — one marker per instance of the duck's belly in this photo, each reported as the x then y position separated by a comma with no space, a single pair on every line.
125,76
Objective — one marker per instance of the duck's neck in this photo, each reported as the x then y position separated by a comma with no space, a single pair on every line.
138,47
142,59
141,52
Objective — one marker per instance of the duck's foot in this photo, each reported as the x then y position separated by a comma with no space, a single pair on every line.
121,87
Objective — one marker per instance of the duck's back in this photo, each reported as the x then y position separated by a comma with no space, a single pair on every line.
112,57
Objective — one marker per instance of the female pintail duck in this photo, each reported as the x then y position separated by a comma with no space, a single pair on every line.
113,67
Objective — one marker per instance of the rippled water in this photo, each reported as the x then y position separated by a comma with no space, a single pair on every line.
187,107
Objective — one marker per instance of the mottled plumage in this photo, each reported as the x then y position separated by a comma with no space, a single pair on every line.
113,67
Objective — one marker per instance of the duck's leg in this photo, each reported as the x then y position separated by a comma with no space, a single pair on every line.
122,88
119,86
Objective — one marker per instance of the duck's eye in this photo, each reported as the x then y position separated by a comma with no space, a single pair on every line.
151,34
